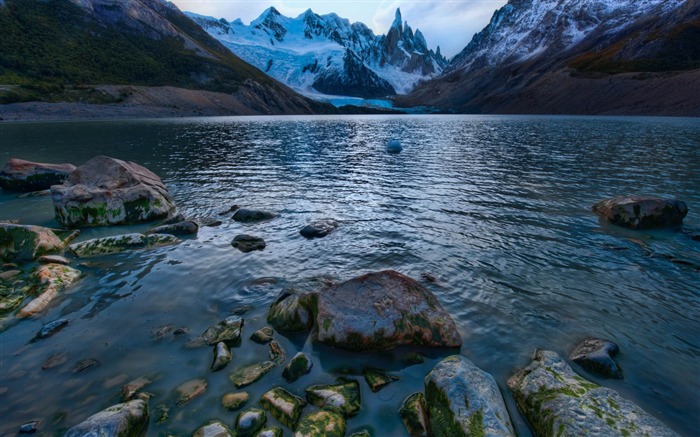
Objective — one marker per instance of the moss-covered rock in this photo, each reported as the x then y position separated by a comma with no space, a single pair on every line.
297,367
343,397
284,406
321,424
234,401
250,421
129,419
190,390
26,243
249,374
13,290
120,243
130,389
291,312
274,431
379,311
27,176
277,354
108,191
222,356
558,402
227,331
463,400
414,414
213,429
642,212
50,279
596,355
262,335
378,380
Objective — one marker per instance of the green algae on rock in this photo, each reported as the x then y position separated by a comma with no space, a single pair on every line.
227,331
50,279
291,312
262,335
120,243
234,401
122,420
557,401
27,176
277,354
414,414
283,405
26,243
343,397
273,431
297,367
463,400
249,374
378,380
213,429
321,424
248,243
250,421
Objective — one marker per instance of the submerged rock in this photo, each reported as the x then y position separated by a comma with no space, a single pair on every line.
29,427
51,280
227,331
222,356
107,191
284,406
250,421
190,390
277,354
120,243
249,374
121,420
21,175
394,146
251,215
343,397
130,389
414,414
319,228
50,329
557,401
213,429
378,380
321,424
262,335
463,400
248,243
85,364
379,311
26,243
234,401
54,360
291,312
642,212
297,367
187,227
596,355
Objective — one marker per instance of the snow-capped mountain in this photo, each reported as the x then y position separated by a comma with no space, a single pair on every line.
327,54
575,56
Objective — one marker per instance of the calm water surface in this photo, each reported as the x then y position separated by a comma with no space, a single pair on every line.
496,208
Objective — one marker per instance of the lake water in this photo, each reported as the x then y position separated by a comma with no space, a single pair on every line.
496,208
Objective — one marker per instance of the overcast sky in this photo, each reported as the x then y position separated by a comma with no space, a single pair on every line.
447,23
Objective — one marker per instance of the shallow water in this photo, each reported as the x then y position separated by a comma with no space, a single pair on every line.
496,208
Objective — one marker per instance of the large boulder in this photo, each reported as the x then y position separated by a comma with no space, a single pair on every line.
108,191
25,243
129,419
557,401
642,212
463,400
379,311
21,175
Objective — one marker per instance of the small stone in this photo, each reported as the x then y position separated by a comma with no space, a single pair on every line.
85,364
9,274
53,259
29,427
233,208
596,355
291,312
343,397
319,228
428,277
180,331
54,360
209,222
244,215
227,331
298,366
163,331
321,424
250,421
262,335
378,380
190,389
50,329
248,243
414,414
284,406
414,359
363,433
187,227
161,413
234,401
277,354
222,356
130,389
249,374
270,432
213,429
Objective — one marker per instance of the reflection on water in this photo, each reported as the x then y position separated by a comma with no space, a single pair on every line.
496,208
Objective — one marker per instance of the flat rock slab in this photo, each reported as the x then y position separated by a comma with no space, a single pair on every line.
26,243
190,390
21,175
120,243
379,311
596,355
642,212
249,374
121,420
463,400
107,191
557,401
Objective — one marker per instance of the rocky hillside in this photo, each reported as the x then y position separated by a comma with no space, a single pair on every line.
327,54
57,50
577,57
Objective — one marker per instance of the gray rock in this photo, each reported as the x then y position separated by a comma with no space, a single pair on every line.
557,401
297,367
291,312
379,311
187,227
378,380
319,228
248,243
249,374
321,424
227,331
120,243
21,175
284,406
250,421
343,397
222,356
642,212
244,215
262,335
213,429
596,355
50,329
107,191
463,400
122,420
414,414
26,243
